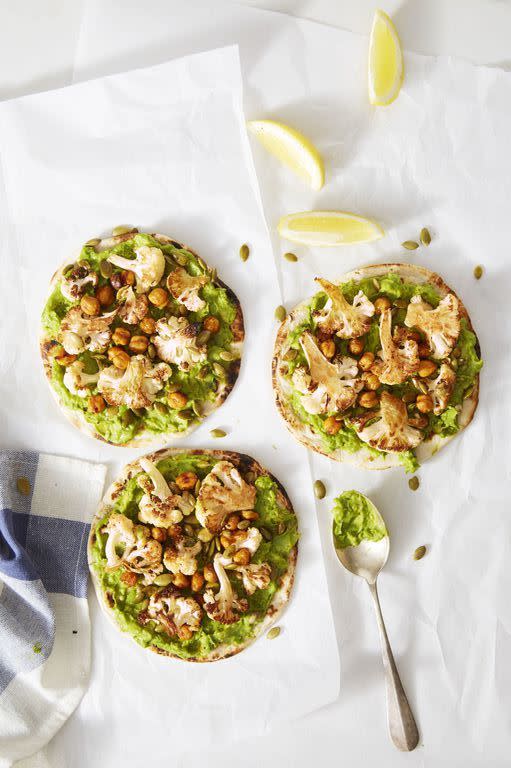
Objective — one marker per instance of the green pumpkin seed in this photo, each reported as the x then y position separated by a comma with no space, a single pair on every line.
83,263
401,303
122,230
420,385
266,534
203,373
151,351
273,633
227,356
160,408
425,236
280,313
187,414
197,487
250,476
410,245
203,337
139,412
291,257
281,528
182,310
181,259
202,264
127,418
376,283
413,483
243,525
197,409
163,580
419,553
478,272
23,486
244,252
319,489
291,354
219,370
188,529
204,535
468,392
213,274
218,433
218,544
93,242
106,269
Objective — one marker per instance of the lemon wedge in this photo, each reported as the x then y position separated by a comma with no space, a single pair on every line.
292,148
328,228
386,67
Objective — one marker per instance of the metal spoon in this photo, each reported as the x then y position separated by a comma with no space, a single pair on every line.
366,561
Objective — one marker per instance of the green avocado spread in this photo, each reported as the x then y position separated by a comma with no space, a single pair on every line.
278,535
356,519
200,383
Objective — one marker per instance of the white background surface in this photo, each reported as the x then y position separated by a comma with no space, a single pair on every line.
353,729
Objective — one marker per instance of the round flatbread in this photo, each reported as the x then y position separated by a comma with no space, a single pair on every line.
139,355
379,369
193,553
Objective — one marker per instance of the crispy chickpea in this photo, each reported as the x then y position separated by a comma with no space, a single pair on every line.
119,357
426,368
96,403
177,400
381,304
242,556
209,573
138,344
197,582
232,522
129,578
64,359
105,295
181,581
366,361
160,534
424,403
186,481
328,348
225,539
148,325
371,381
332,425
128,277
121,336
424,350
250,514
159,297
174,531
368,399
211,324
356,346
90,305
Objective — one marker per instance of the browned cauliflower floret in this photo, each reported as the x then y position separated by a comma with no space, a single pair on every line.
148,266
121,539
441,326
254,576
79,331
134,308
145,558
391,431
441,388
75,281
348,321
224,606
179,615
176,342
159,506
77,381
185,288
182,559
223,491
337,382
137,386
249,539
397,363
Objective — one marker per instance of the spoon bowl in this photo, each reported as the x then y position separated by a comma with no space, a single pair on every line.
368,558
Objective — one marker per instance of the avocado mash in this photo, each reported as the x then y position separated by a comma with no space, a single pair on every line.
356,519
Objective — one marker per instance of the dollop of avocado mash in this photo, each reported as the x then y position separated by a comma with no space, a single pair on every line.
356,519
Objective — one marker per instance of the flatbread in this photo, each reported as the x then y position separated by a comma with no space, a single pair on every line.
245,464
364,458
143,438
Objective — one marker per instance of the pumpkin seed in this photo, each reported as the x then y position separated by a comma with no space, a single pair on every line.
182,310
211,549
243,525
93,242
413,483
163,580
291,257
227,356
218,544
181,259
420,385
291,354
478,272
188,529
106,269
197,487
401,303
202,263
244,252
23,486
83,263
187,414
121,230
410,245
197,410
376,283
218,433
266,534
454,364
280,313
203,337
127,418
273,633
151,351
139,412
425,236
203,373
419,553
467,393
160,408
172,388
219,370
319,489
213,274
250,476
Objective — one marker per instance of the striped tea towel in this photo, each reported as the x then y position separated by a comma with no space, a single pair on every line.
46,505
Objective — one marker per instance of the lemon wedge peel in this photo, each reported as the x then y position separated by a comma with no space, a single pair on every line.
328,228
386,67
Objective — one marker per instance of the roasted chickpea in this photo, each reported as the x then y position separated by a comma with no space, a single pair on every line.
186,481
366,361
181,581
197,582
225,539
128,277
138,344
160,534
356,346
121,336
250,514
424,350
96,403
159,297
328,348
211,324
209,573
90,305
105,295
129,578
232,522
148,325
332,425
174,531
424,403
119,357
371,381
368,399
116,281
381,304
419,421
426,368
242,556
177,400
64,359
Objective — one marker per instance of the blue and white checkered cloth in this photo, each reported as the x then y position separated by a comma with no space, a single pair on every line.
46,505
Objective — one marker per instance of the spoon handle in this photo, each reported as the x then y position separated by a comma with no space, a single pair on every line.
402,726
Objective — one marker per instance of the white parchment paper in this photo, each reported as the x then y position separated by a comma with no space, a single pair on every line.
165,149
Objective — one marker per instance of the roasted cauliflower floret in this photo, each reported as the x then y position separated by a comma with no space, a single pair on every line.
134,308
145,558
121,539
249,539
159,506
148,266
348,321
137,386
93,332
391,431
224,606
313,397
76,380
397,363
75,282
176,342
185,288
338,381
441,326
223,491
179,615
254,576
442,387
182,559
